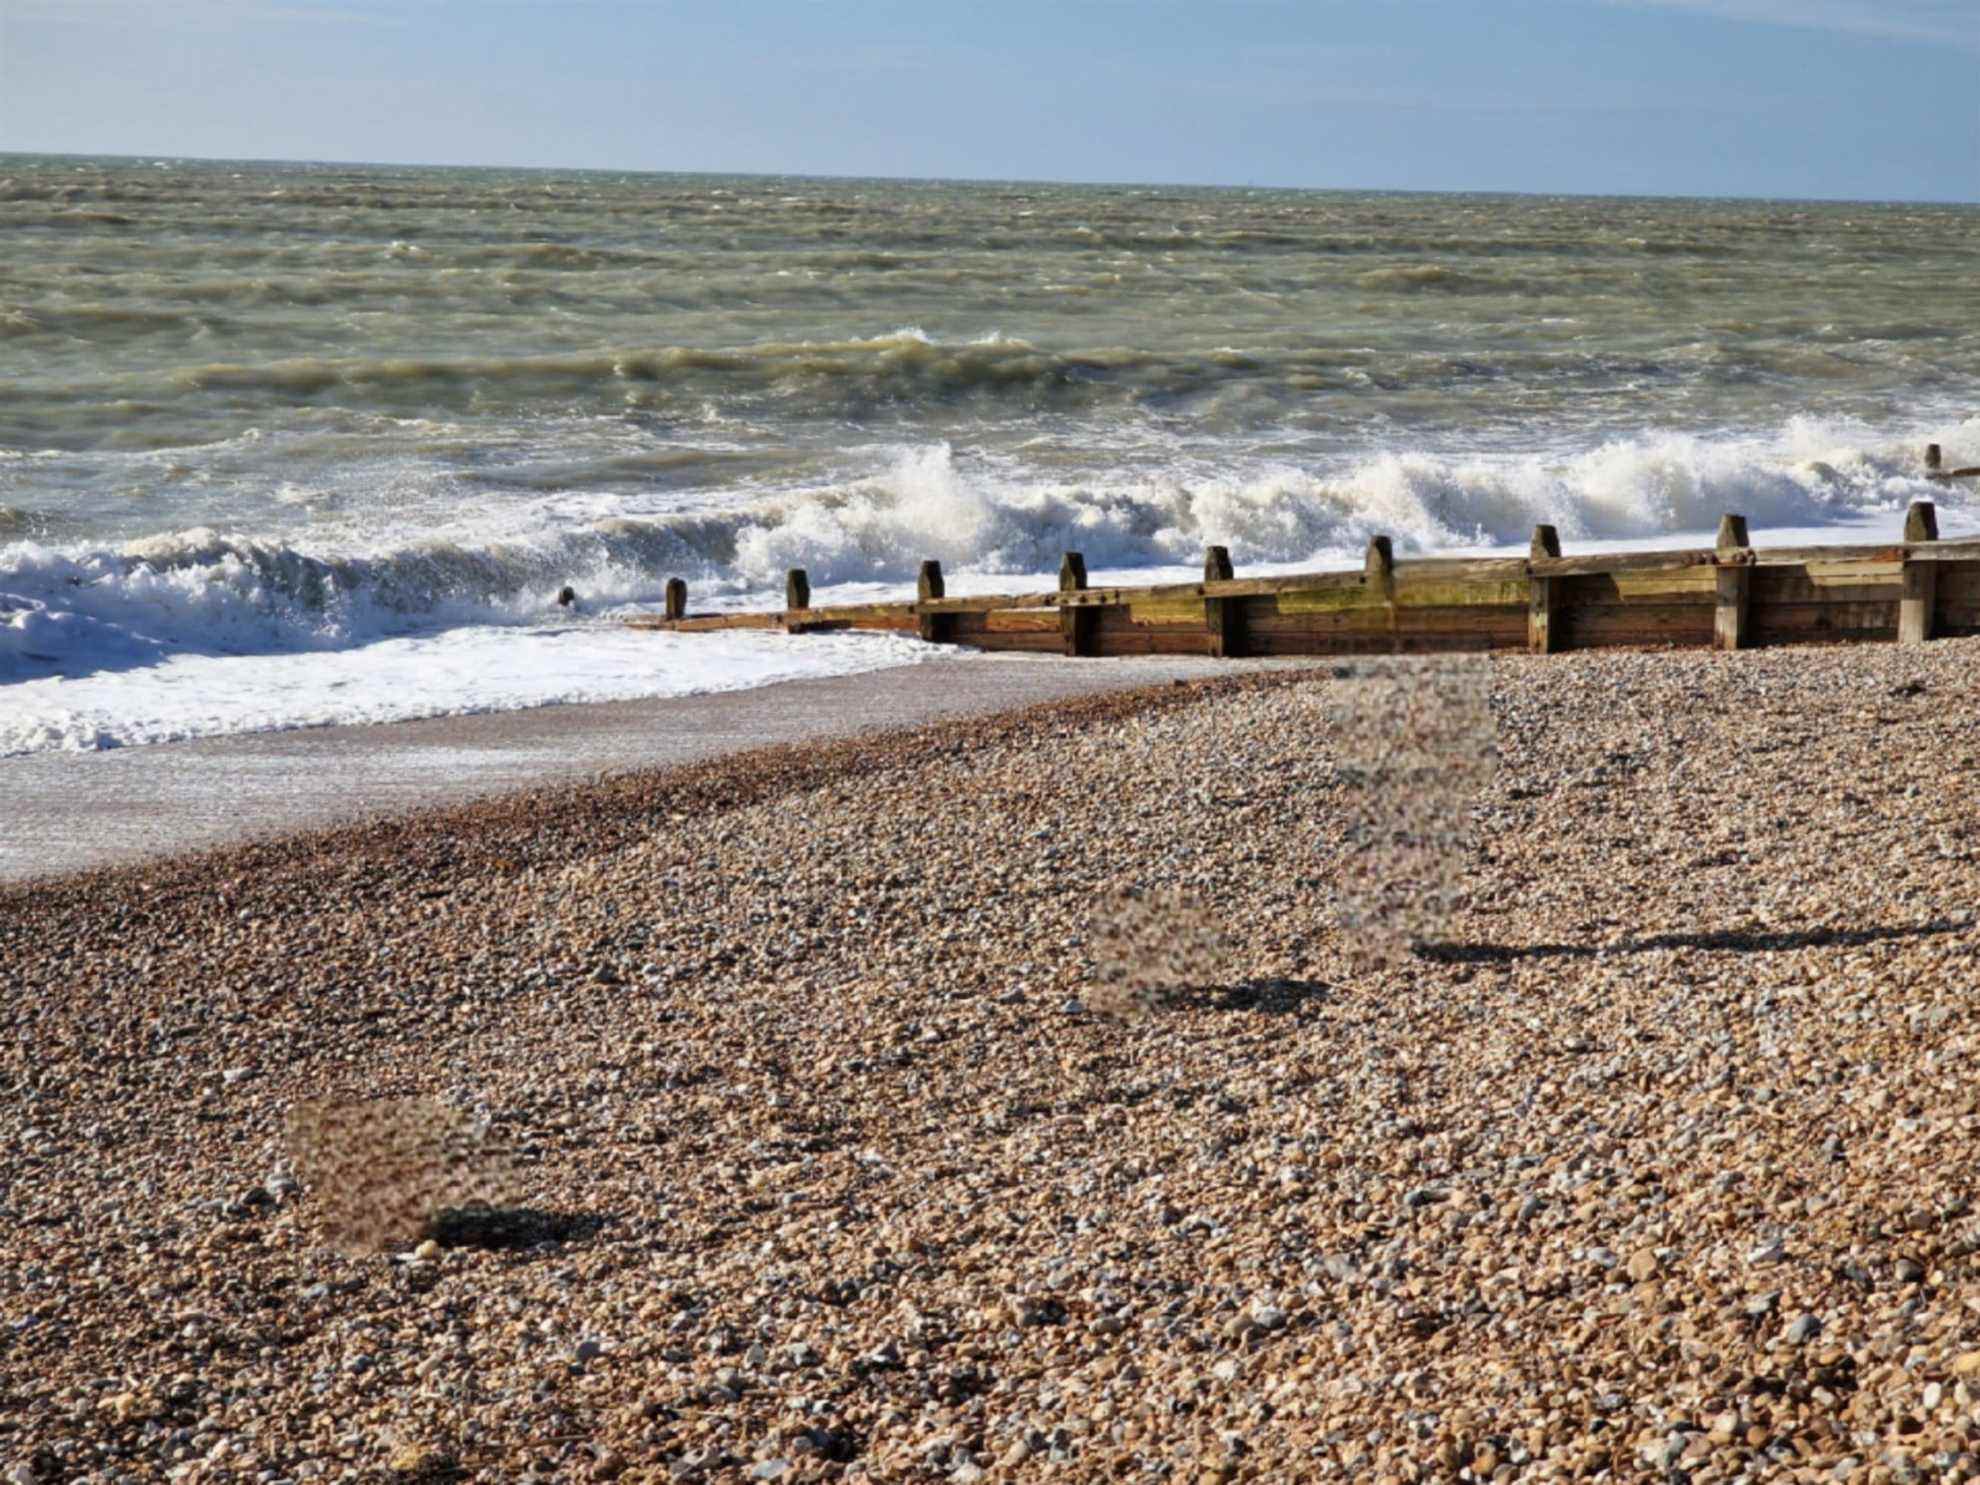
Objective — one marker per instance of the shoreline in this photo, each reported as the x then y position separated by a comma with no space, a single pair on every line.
75,812
825,1169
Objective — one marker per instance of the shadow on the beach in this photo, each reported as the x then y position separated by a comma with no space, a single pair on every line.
1272,997
508,1228
1735,941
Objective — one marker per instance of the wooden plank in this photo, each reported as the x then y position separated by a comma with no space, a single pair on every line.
1613,562
977,603
1850,574
1172,611
1116,633
1021,621
1691,584
1420,592
1645,624
1330,600
708,623
1239,588
1826,622
1864,582
1506,621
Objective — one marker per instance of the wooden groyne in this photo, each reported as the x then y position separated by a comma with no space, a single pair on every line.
1732,596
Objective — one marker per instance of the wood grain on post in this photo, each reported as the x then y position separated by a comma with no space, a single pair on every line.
676,607
1223,618
1734,553
1079,627
1919,595
1543,635
928,586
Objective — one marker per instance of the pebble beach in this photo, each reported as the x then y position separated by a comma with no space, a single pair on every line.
1658,1163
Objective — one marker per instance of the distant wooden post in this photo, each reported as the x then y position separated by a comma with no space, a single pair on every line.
1735,580
797,589
1223,618
1920,592
1935,467
934,628
1078,625
676,599
1543,593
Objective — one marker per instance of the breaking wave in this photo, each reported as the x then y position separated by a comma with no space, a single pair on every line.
73,609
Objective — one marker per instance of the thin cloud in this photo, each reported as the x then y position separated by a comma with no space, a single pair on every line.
1954,23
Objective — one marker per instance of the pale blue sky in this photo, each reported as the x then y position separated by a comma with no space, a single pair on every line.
1874,99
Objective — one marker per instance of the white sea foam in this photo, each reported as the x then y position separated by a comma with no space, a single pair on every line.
198,631
453,672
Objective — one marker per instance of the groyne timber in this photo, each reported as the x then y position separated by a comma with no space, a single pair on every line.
1731,596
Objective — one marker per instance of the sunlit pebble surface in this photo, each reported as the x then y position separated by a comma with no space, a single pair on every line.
1667,1171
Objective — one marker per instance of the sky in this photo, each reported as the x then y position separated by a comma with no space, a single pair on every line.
1854,99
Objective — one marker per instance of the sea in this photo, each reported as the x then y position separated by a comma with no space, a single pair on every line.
294,444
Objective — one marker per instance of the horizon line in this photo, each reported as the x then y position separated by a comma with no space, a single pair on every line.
989,180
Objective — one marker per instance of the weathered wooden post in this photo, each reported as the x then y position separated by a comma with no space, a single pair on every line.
1735,573
934,628
1543,592
1078,624
676,599
1379,572
797,598
1223,618
1920,591
1933,458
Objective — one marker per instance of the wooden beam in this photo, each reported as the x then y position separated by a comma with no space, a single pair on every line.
928,586
676,606
1078,628
1223,618
1735,576
1920,579
1543,637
